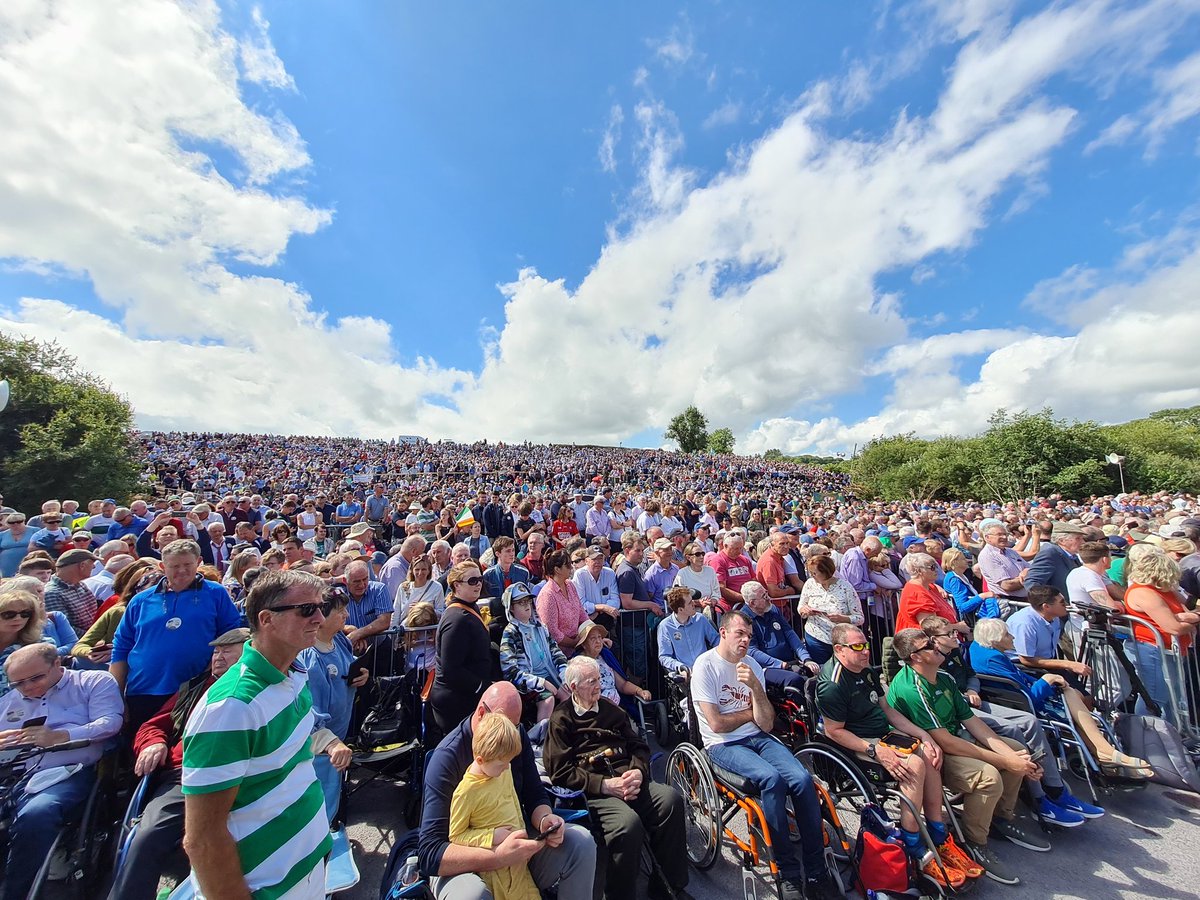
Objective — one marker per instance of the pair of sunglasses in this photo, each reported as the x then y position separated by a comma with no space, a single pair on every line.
307,610
9,614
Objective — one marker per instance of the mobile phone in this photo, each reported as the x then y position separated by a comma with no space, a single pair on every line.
542,835
901,743
34,723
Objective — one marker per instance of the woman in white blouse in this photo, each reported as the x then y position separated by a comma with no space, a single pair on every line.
419,587
825,601
699,577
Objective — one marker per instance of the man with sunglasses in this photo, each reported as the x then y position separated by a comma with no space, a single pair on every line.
254,811
856,715
987,768
158,748
75,705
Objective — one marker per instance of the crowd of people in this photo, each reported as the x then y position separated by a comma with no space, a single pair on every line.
215,627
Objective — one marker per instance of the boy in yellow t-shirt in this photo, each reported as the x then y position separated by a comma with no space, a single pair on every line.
484,808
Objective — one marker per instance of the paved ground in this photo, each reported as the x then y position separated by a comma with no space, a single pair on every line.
1148,846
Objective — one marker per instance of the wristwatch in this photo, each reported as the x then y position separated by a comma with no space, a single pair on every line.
871,750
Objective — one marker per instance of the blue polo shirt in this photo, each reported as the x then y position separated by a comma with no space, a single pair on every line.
161,658
1033,635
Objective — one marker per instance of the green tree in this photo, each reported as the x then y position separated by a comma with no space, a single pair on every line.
721,441
873,473
1189,416
1021,454
689,430
64,434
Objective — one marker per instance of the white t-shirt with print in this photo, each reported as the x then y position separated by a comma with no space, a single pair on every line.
715,681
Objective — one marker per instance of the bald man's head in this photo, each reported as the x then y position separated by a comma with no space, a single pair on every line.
501,697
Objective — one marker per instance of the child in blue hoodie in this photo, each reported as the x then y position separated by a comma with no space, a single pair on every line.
529,657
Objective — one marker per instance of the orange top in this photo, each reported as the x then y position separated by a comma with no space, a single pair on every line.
1141,632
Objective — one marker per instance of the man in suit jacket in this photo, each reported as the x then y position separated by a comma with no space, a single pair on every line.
1055,560
215,547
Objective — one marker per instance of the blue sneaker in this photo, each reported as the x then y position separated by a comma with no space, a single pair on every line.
1051,812
1066,800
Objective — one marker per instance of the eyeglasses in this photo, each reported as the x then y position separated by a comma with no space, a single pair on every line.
32,679
81,539
857,646
52,521
9,614
306,610
699,555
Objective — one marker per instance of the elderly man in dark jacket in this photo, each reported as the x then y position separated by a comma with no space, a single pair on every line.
593,747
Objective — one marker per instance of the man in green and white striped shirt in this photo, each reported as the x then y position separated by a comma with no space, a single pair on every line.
255,823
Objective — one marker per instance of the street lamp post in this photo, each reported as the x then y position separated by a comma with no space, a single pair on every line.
1118,461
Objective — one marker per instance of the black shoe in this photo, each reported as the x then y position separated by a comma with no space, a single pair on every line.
790,890
822,890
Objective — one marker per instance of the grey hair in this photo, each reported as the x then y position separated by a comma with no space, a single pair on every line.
579,668
996,525
990,632
921,561
439,545
752,589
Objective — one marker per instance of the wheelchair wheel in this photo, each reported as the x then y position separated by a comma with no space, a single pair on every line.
689,773
663,731
842,790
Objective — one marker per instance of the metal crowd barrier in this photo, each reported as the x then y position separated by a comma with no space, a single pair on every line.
1178,668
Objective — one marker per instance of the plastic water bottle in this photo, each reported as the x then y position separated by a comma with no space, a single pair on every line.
410,874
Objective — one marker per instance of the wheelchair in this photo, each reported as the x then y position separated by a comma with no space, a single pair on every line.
849,784
713,799
1069,747
79,856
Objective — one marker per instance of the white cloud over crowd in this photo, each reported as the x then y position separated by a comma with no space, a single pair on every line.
752,292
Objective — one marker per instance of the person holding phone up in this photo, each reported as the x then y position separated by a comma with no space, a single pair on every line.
857,716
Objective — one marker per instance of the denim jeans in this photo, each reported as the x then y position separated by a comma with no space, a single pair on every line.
39,819
779,775
818,651
1154,672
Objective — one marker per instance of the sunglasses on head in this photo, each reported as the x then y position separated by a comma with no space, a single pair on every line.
9,614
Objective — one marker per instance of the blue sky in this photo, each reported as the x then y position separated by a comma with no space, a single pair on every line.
817,222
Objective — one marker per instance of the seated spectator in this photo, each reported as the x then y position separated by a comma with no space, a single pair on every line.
75,706
158,748
775,645
464,653
986,767
735,719
613,687
163,638
332,683
825,601
856,714
534,558
1051,692
565,859
558,605
967,601
592,746
529,657
683,635
1036,630
485,809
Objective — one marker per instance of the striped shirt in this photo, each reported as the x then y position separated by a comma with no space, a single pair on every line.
253,733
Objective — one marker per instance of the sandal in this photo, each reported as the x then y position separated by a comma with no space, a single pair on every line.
1126,766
